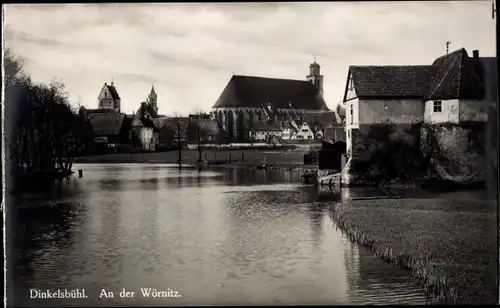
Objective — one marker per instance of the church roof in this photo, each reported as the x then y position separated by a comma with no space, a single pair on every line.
250,91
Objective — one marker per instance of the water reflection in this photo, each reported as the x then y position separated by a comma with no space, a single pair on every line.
219,237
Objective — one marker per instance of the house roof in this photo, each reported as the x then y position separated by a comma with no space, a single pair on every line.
300,123
112,91
322,118
261,126
106,124
452,76
390,81
145,107
455,76
250,91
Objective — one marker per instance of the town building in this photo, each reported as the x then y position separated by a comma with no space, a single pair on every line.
148,135
111,131
108,98
449,99
455,88
261,131
247,100
304,131
289,130
202,128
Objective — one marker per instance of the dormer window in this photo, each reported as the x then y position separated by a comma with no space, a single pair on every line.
438,106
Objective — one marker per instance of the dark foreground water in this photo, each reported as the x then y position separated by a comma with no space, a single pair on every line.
210,237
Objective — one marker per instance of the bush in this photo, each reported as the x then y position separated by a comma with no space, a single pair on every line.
391,153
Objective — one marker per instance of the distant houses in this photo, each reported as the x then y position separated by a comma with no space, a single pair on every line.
250,109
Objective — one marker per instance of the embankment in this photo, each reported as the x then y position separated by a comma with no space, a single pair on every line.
450,244
252,157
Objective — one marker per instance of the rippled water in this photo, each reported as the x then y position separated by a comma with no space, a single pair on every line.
215,237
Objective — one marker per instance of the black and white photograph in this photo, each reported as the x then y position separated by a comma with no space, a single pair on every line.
250,153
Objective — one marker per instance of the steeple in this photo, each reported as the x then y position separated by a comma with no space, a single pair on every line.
153,99
315,76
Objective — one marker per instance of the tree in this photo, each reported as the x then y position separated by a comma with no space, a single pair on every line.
179,133
44,131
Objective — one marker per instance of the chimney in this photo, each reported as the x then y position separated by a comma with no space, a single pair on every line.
475,54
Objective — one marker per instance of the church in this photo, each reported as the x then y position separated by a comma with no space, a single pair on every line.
247,100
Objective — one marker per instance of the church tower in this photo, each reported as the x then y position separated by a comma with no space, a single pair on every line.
153,99
315,76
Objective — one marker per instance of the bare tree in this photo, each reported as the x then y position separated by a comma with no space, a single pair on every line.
179,132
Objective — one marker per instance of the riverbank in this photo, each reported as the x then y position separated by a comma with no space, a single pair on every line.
449,244
191,157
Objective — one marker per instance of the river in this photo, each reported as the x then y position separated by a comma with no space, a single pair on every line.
228,237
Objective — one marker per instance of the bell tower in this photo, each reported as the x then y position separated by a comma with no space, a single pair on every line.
153,99
315,76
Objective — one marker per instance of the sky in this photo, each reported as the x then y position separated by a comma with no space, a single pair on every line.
189,51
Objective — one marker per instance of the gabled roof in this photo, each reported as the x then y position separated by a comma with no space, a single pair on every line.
266,127
249,91
112,91
106,124
390,81
146,108
455,76
452,76
300,123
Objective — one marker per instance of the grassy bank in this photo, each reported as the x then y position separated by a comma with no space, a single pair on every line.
449,244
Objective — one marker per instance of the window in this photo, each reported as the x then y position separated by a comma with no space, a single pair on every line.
105,94
348,133
352,113
438,106
304,130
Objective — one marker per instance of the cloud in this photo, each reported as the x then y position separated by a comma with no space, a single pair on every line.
190,50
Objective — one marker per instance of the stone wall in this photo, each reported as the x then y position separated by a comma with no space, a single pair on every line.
413,153
456,152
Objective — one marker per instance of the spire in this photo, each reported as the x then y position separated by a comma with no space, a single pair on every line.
314,64
153,89
112,83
